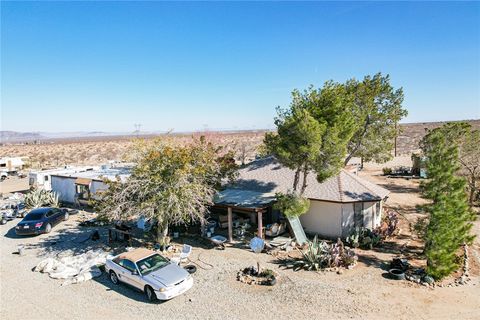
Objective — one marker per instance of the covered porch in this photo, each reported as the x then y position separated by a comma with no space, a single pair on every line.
251,203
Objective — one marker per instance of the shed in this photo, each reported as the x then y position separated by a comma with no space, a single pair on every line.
80,187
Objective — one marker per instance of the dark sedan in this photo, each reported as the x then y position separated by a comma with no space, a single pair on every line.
41,220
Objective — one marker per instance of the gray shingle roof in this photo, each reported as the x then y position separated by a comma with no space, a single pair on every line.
268,176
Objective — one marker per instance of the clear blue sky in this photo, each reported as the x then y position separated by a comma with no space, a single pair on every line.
70,66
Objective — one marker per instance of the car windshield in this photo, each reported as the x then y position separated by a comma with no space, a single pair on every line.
33,216
152,263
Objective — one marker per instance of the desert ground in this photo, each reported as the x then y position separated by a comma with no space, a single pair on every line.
364,292
52,153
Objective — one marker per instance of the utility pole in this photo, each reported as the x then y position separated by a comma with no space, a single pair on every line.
137,129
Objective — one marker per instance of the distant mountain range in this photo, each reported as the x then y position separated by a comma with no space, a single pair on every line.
410,131
14,136
20,137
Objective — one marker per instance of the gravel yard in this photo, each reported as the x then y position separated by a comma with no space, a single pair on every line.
361,293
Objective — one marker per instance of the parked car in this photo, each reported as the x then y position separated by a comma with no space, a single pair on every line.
149,272
11,211
41,220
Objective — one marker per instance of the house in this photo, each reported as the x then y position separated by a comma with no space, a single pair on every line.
42,178
337,206
81,187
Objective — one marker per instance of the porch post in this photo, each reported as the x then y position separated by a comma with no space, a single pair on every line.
230,224
260,224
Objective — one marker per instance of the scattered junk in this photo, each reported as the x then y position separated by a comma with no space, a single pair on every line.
257,245
121,232
297,230
218,241
92,223
21,249
255,275
275,229
74,268
12,209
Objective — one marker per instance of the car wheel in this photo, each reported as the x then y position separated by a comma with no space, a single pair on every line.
66,216
150,294
113,277
48,228
3,221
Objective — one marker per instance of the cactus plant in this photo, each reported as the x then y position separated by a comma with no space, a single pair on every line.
41,198
319,255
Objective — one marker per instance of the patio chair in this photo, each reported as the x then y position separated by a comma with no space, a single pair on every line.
186,251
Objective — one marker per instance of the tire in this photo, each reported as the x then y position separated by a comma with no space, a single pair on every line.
66,216
48,228
150,294
397,274
190,268
114,278
3,221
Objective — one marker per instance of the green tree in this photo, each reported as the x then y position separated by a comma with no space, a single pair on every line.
377,109
296,144
312,136
450,218
170,183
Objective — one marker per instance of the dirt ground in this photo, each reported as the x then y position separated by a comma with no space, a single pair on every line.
364,292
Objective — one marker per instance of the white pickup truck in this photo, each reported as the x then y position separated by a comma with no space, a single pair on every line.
148,271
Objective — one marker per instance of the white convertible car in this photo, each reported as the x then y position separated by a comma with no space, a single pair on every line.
149,272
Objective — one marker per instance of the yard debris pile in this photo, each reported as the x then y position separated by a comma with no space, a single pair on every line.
74,268
255,275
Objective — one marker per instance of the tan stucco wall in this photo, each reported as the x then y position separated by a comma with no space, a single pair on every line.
323,218
332,220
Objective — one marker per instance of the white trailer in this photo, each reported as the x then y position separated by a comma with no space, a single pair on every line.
43,179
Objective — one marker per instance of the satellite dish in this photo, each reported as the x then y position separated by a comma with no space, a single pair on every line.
257,244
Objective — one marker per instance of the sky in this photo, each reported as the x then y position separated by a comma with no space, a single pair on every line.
184,66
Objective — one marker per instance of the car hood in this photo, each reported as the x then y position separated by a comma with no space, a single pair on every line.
169,275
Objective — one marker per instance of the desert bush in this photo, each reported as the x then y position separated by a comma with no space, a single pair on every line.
387,171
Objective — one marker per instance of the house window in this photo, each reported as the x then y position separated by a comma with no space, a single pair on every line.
46,178
358,214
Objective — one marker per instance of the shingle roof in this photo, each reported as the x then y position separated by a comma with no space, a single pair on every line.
267,176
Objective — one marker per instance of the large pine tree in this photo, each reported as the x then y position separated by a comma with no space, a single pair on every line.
450,218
